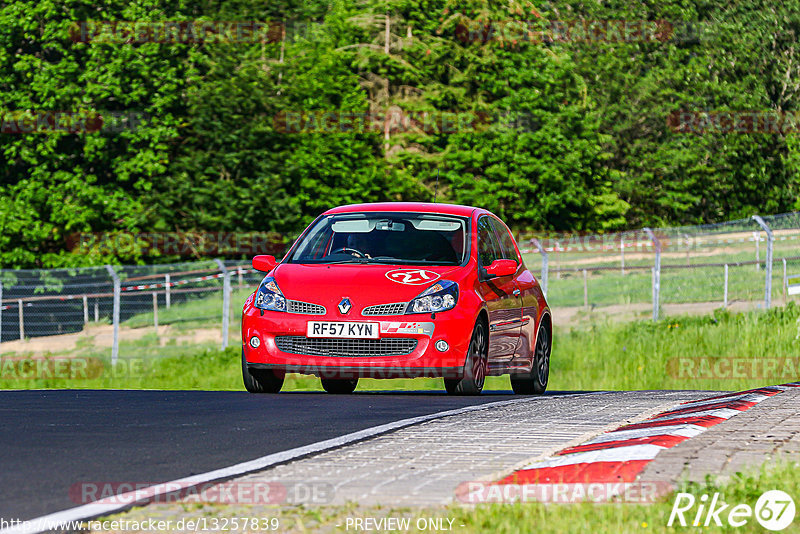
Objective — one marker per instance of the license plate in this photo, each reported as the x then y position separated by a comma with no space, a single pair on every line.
344,330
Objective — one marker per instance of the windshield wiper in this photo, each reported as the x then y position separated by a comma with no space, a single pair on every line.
352,260
407,261
387,259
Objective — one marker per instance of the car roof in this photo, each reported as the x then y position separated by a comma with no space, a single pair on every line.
423,207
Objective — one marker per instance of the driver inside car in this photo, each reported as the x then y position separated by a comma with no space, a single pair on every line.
361,243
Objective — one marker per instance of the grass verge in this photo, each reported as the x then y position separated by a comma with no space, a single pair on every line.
723,351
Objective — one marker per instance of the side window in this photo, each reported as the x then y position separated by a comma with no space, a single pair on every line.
507,250
487,245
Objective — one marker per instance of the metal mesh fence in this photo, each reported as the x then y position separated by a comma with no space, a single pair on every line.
161,308
679,269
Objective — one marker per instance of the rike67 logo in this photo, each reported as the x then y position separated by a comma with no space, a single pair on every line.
774,510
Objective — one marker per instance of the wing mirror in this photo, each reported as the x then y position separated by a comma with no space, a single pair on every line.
264,263
501,268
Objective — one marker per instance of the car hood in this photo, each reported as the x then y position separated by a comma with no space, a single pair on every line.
364,285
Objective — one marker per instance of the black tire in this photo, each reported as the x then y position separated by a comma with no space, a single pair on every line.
339,386
535,382
475,366
260,380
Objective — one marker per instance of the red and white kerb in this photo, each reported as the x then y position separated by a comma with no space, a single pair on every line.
621,454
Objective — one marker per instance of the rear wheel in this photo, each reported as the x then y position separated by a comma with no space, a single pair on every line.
339,386
261,380
475,366
535,382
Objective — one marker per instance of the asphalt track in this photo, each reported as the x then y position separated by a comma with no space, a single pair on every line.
52,440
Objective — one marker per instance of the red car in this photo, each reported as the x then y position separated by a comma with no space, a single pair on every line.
398,290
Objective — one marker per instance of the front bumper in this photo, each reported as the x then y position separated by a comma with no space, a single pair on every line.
424,360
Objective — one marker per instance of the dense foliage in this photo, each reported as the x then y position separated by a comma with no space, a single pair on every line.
564,135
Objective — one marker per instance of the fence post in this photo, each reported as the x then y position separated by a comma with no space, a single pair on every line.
535,242
97,310
757,239
85,310
688,246
725,298
226,300
166,288
768,282
785,282
155,311
656,272
622,254
585,290
115,315
21,322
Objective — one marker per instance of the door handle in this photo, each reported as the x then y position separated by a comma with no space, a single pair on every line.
516,292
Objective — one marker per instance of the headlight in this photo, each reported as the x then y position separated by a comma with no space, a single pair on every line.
269,296
439,297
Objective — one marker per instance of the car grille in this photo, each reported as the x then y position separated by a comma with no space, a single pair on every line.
390,346
296,306
398,308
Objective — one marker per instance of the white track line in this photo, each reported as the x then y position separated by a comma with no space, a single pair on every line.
686,431
617,454
722,413
746,397
130,499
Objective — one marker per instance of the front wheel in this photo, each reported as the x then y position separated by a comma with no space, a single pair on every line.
475,366
339,386
535,382
260,380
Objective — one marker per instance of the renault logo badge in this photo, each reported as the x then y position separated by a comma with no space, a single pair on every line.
344,306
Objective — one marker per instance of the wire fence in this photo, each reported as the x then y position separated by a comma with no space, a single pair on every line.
154,310
137,310
742,264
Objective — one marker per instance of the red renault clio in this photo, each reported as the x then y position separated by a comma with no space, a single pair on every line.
398,290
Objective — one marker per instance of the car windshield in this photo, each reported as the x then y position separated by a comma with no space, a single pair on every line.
388,238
